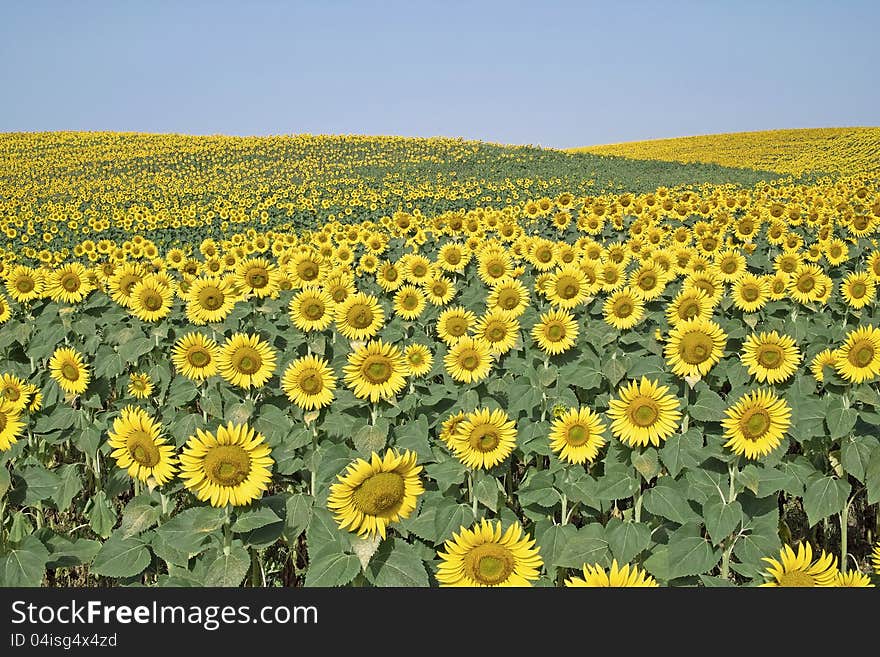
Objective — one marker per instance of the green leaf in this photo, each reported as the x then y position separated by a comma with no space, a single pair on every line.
872,477
588,546
67,554
487,490
131,350
447,474
667,502
299,513
646,463
627,539
228,569
273,423
324,536
721,518
140,514
186,532
823,497
181,391
5,480
332,570
691,555
708,407
451,518
682,451
552,539
24,564
41,484
839,420
102,517
396,563
69,486
413,435
369,439
537,488
254,517
855,454
121,557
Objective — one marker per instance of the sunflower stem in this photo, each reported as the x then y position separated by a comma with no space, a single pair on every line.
637,504
564,515
227,529
844,519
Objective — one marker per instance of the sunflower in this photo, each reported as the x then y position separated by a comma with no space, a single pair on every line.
259,277
687,305
803,285
568,287
623,309
246,360
498,329
232,467
709,282
852,579
419,359
648,281
339,286
389,276
409,302
68,369
370,495
858,289
195,356
556,332
778,285
576,435
10,425
825,358
875,558
140,385
750,293
484,438
359,317
484,555
494,266
311,310
858,359
755,425
138,447
611,276
799,569
510,295
209,300
469,360
309,382
375,371
123,280
836,251
70,283
25,283
14,392
694,346
151,299
306,267
439,290
454,323
627,576
770,357
730,265
452,257
450,426
644,413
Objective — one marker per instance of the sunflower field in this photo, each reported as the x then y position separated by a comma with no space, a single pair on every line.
355,361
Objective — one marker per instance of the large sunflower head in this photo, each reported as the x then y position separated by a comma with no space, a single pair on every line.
11,426
259,277
138,447
409,302
644,412
151,299
627,576
454,323
360,317
756,424
14,391
123,280
770,357
799,569
858,289
858,359
825,358
623,309
68,369
648,281
232,466
372,494
469,360
484,438
689,304
750,293
568,287
694,346
485,555
576,435
498,329
140,385
209,300
195,356
509,295
311,309
805,283
556,332
419,359
309,382
25,283
246,360
439,290
70,283
376,371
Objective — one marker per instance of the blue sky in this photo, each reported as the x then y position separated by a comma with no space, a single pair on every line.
550,73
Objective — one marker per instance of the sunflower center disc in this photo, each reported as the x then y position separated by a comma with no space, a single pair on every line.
410,302
24,285
484,438
211,298
70,372
797,578
689,310
578,435
695,347
199,357
508,300
307,271
624,309
419,271
12,394
806,284
313,310
380,494
770,357
495,333
258,278
861,355
143,449
377,370
453,257
438,290
416,359
749,293
311,383
227,465
857,291
469,361
248,361
647,282
391,275
496,270
456,327
755,423
489,564
568,291
644,412
728,266
153,302
360,316
555,332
